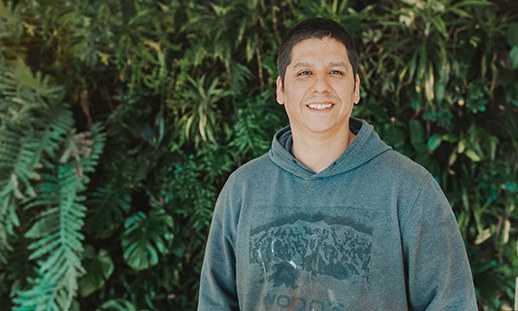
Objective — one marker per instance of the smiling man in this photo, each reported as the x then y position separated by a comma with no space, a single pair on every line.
318,90
331,218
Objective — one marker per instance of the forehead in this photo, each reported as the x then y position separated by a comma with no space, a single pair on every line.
315,48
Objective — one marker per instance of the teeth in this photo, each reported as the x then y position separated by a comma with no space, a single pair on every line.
320,106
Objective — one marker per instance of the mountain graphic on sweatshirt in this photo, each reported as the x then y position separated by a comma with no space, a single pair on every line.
285,251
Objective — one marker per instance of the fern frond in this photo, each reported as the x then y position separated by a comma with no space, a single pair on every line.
57,231
92,147
27,135
11,30
20,161
5,247
21,151
58,243
47,296
32,90
16,164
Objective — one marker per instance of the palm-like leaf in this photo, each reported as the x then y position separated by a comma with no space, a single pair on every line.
146,237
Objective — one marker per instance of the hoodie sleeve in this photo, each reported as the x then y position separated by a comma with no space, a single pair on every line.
437,267
218,276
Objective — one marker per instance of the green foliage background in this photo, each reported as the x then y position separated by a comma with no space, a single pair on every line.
121,120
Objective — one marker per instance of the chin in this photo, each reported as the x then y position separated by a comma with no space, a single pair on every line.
320,130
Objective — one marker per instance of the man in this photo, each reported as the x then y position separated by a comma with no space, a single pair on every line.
331,218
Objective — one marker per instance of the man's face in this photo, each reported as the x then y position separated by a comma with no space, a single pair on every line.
318,92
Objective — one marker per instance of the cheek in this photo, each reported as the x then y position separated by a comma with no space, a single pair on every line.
292,95
298,91
346,91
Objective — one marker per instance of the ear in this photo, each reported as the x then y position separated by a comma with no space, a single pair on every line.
357,90
280,91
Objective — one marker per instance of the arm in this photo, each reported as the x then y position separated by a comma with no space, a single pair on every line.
438,272
218,276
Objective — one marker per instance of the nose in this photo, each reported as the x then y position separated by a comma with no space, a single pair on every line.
321,85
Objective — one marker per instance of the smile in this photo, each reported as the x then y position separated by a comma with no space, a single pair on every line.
320,106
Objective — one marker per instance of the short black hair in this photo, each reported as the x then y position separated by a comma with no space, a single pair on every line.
315,28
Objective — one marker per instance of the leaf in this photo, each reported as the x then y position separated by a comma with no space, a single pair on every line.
417,134
507,229
416,99
434,142
146,237
512,34
461,146
98,269
57,243
439,92
377,111
514,57
440,25
473,155
429,83
107,209
117,305
29,132
57,232
460,12
483,236
452,159
395,137
473,3
34,85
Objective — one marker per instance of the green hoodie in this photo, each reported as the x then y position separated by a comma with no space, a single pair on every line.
373,231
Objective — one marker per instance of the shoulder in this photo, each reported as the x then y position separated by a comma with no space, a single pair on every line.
256,168
404,177
401,167
239,185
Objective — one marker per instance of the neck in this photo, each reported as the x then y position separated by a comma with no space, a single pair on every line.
318,151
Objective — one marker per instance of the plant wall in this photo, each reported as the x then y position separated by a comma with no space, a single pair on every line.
121,120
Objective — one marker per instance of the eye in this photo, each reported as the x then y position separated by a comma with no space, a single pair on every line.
303,73
336,72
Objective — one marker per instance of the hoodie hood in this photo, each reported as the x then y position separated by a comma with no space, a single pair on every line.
366,146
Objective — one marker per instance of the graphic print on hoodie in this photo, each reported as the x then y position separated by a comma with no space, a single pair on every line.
309,249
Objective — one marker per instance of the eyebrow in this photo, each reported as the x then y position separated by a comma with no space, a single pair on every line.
338,64
301,64
332,64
